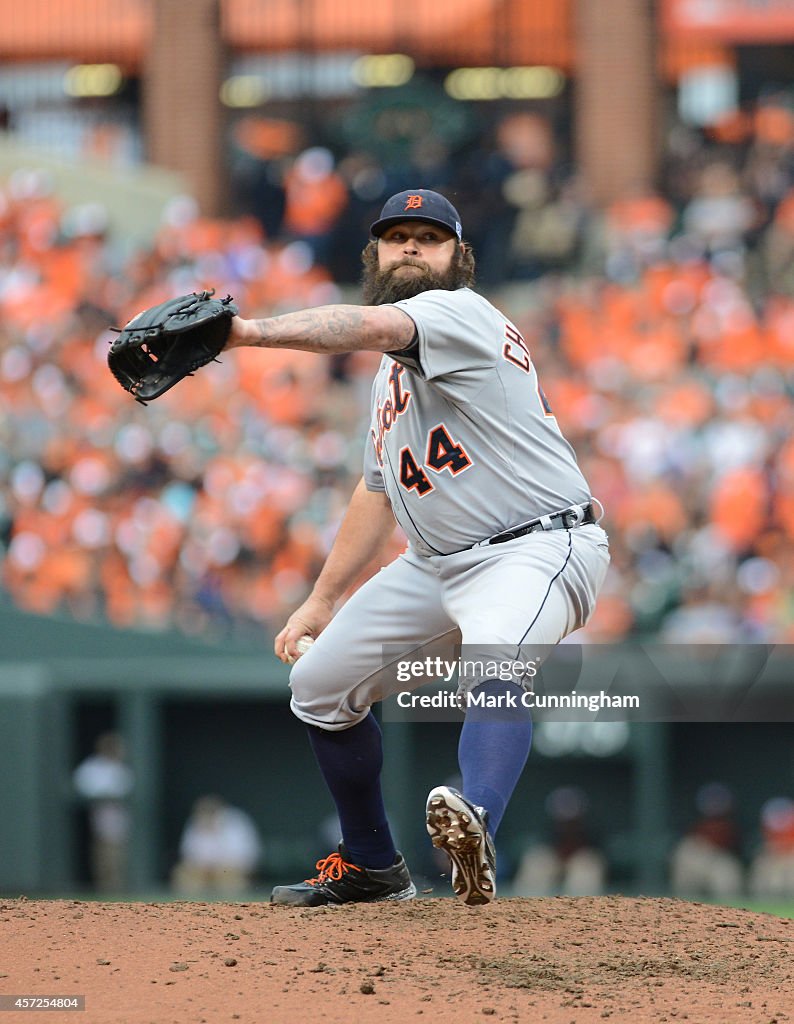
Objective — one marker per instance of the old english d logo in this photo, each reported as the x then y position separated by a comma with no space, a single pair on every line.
413,203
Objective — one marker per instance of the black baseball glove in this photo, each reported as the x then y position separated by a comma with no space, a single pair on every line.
170,341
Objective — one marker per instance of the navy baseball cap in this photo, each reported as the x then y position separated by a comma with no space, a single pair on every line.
418,204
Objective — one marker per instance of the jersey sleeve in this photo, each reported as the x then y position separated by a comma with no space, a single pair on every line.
373,476
456,333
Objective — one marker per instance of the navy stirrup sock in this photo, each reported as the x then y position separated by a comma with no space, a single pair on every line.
351,761
493,749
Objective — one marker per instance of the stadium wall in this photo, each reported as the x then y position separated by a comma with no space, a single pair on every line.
203,719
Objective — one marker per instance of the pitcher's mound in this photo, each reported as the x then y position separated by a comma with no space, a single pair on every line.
530,960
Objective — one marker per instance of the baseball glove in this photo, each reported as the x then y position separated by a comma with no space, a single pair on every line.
164,344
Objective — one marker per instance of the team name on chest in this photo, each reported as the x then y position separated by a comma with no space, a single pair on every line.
386,413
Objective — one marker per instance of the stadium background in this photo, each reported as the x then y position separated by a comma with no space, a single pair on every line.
625,173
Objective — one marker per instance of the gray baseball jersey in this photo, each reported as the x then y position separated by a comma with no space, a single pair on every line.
462,438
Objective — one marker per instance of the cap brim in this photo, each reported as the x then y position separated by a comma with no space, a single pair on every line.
377,229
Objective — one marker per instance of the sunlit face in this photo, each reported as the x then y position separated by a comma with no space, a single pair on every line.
412,257
414,246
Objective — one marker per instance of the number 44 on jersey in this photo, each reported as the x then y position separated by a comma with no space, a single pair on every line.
442,454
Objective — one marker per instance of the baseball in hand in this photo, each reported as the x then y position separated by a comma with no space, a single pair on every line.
302,645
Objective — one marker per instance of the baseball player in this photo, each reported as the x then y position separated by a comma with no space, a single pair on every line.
504,551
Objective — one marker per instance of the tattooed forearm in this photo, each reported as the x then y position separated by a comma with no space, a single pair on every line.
332,329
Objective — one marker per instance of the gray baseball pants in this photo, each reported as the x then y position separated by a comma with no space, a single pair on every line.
526,593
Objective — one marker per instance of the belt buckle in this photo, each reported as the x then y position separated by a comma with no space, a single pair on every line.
573,516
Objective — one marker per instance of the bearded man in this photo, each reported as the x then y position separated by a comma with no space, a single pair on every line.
504,552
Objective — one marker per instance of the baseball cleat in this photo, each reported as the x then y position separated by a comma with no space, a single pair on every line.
460,829
340,881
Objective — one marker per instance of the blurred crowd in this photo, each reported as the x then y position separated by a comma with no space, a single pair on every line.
720,855
662,327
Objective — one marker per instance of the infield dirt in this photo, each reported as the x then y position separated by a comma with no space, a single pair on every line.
561,960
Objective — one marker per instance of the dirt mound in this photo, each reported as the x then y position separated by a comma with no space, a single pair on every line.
557,960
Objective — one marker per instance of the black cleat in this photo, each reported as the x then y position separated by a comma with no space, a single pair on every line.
339,881
460,829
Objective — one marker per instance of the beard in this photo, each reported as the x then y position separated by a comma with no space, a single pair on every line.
380,287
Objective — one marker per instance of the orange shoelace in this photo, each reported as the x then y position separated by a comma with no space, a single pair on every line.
331,868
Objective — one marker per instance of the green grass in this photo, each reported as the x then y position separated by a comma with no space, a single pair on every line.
780,908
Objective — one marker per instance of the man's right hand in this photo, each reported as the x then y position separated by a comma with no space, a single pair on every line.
366,526
309,620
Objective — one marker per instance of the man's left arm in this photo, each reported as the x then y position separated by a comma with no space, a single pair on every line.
457,333
328,330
